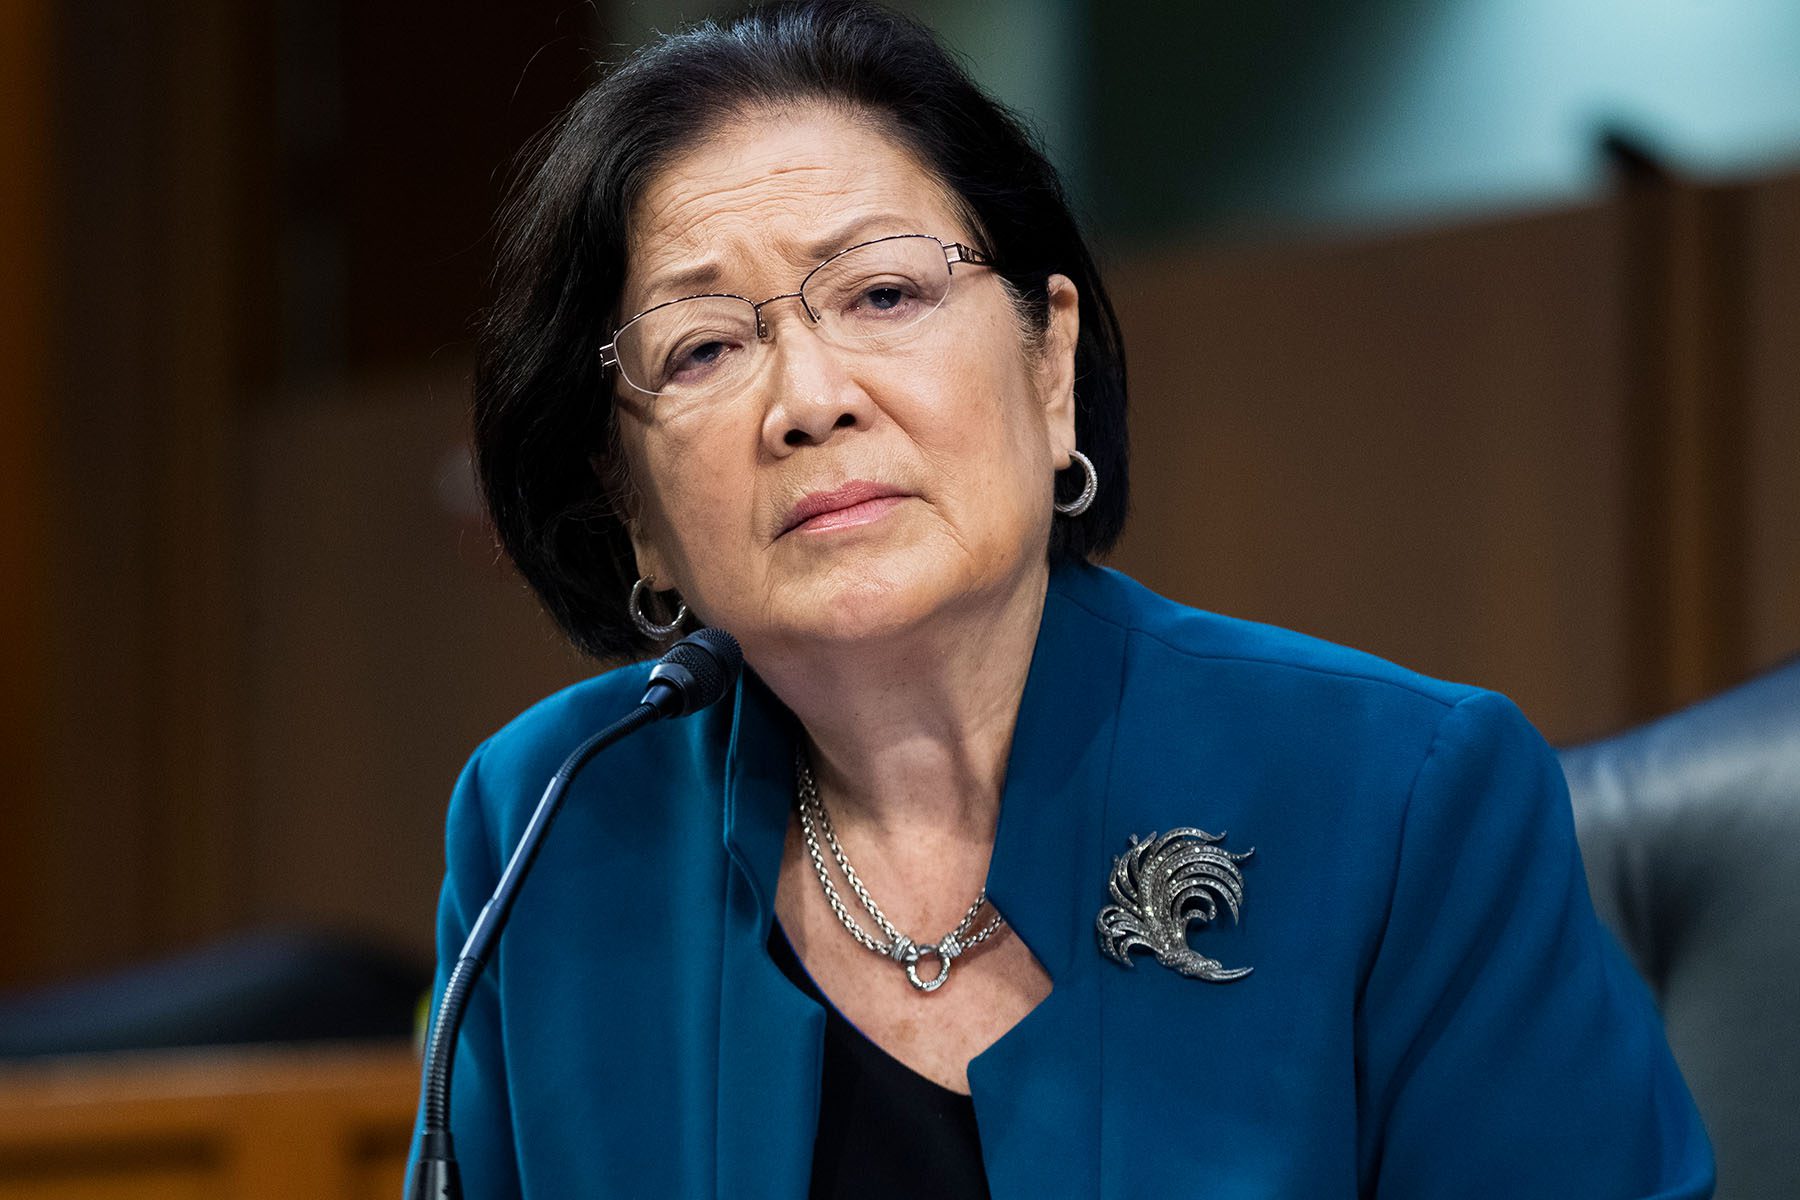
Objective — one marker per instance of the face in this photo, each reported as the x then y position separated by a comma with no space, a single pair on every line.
838,495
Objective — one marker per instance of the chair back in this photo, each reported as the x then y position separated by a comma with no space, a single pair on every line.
1690,829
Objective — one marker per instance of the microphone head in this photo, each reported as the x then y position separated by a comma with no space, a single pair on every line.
702,667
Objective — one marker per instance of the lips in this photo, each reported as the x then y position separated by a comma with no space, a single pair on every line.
852,504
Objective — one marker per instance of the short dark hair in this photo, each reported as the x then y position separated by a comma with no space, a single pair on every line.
545,444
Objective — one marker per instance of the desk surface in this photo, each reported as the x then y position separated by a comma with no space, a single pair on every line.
253,1122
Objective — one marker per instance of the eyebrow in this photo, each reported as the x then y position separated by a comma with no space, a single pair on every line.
705,274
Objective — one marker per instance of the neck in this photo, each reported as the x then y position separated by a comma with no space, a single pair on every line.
909,735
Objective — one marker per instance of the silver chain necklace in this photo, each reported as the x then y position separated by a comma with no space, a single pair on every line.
898,947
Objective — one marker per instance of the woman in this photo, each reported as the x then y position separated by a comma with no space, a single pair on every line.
998,874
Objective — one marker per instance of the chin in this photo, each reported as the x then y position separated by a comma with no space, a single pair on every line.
873,598
872,604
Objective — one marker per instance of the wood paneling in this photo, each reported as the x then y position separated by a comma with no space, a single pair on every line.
1772,426
25,217
1552,455
1684,293
219,199
156,341
206,340
387,638
1413,445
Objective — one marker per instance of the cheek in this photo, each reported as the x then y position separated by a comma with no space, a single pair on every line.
984,429
698,484
997,418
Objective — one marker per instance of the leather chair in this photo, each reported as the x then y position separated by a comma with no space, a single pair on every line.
1690,828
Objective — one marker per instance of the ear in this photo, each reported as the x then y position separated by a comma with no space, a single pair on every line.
1057,369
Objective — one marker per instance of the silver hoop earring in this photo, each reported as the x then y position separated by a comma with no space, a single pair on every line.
1090,489
646,626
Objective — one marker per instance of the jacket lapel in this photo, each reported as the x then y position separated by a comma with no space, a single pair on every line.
771,1036
1037,1095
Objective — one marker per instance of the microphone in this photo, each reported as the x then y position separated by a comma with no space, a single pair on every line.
696,672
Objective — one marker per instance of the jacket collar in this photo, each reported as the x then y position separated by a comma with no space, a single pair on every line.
759,790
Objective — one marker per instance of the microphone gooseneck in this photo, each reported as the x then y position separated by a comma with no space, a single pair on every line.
696,672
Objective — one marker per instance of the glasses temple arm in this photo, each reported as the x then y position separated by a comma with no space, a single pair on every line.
956,252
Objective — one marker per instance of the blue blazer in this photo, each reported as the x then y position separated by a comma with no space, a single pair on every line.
1433,1009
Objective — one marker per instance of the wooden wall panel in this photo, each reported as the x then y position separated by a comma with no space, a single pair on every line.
208,340
228,183
1772,584
26,202
1684,291
95,807
1413,445
154,340
386,639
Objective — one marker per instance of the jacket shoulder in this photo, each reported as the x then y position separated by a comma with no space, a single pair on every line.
513,764
1207,638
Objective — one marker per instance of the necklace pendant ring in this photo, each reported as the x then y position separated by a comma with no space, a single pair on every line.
912,967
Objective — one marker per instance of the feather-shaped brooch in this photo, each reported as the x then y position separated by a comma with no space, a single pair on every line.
1162,885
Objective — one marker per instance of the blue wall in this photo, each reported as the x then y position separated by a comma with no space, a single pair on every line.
1231,113
1208,116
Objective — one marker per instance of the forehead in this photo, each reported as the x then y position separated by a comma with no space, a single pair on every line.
762,199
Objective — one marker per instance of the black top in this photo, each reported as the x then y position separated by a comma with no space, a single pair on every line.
885,1131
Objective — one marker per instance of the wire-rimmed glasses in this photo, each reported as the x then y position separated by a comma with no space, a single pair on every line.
868,296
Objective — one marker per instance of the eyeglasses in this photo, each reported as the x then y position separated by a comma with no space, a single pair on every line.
872,296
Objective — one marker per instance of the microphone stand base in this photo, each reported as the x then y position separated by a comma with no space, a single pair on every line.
435,1179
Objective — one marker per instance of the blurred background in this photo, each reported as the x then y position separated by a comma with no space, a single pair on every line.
1460,332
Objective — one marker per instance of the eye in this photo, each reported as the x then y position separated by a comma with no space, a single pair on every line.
696,360
704,354
883,300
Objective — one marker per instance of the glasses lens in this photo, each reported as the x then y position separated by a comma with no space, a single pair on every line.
880,288
690,346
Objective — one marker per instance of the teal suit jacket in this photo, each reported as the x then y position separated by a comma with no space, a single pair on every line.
1433,1011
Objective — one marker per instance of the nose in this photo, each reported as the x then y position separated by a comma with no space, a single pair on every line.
816,395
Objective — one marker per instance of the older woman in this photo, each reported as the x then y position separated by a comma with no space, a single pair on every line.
999,875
